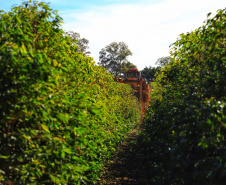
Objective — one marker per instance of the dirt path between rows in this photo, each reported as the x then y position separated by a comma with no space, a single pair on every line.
129,165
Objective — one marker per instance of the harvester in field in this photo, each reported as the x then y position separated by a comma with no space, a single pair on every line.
140,86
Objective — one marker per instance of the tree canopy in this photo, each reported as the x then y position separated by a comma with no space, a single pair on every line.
81,42
163,61
148,73
113,56
126,65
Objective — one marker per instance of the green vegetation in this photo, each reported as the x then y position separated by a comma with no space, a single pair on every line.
149,73
61,115
185,126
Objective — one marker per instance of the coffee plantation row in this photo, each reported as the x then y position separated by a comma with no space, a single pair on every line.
185,129
61,115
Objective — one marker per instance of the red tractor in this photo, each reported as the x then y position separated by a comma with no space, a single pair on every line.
140,86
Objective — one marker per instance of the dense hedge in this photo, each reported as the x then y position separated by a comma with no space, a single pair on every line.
185,128
61,115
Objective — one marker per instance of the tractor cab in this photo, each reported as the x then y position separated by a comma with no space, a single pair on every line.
132,74
140,86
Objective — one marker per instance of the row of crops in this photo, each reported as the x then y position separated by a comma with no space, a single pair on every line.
185,127
61,115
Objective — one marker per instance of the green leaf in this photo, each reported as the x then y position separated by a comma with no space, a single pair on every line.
4,157
44,127
62,154
208,14
67,150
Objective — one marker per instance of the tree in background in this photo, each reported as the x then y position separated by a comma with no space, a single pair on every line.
112,57
148,73
163,61
81,42
126,65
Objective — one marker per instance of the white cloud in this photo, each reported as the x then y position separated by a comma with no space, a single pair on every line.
148,29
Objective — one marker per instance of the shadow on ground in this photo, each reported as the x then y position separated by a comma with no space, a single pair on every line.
129,165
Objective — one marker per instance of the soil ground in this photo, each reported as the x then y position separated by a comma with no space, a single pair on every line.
129,165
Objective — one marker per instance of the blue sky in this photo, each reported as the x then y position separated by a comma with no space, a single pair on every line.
147,26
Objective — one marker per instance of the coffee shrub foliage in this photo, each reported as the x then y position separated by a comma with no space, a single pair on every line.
61,115
185,126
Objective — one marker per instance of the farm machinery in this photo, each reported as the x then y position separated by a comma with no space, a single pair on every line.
140,86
